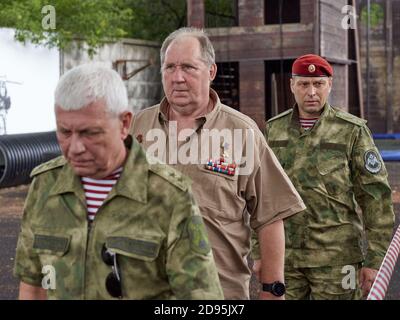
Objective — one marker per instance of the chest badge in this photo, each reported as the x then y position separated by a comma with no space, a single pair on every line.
223,164
139,138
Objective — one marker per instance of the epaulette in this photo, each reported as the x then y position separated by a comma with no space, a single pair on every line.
350,118
171,175
49,165
281,115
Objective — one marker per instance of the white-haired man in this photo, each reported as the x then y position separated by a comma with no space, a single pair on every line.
102,221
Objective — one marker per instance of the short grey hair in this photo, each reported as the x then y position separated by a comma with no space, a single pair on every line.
88,83
206,47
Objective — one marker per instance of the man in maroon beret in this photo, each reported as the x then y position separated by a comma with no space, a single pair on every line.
335,166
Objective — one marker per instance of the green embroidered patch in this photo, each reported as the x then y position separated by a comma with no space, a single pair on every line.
136,246
333,146
52,243
278,143
198,235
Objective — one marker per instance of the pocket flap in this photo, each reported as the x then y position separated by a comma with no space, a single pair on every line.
278,143
331,157
50,244
142,249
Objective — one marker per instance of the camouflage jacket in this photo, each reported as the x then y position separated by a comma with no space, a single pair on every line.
149,219
334,166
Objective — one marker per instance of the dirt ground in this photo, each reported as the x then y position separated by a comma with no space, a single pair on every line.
11,206
12,201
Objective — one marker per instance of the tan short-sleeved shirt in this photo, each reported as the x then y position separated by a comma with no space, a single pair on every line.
258,193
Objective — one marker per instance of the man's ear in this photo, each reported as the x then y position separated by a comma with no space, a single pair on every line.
213,71
330,82
292,85
126,122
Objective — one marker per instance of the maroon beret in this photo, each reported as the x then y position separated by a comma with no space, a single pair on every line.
311,65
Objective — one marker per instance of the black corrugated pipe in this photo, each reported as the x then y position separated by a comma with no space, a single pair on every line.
20,153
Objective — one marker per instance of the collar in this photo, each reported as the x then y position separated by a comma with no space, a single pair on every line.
131,184
164,107
295,117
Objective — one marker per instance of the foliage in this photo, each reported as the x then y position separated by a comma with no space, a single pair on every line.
97,20
154,20
376,15
92,20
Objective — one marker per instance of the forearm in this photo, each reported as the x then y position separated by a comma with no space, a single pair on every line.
29,292
272,249
378,219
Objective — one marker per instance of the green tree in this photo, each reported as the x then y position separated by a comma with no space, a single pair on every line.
97,20
91,20
154,20
376,13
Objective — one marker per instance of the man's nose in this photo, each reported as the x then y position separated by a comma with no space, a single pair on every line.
76,146
177,75
311,91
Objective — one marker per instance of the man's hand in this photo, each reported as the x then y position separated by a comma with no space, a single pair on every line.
29,292
269,296
367,278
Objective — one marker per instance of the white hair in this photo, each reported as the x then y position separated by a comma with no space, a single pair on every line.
89,83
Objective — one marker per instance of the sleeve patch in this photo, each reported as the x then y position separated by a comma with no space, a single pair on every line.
198,235
372,161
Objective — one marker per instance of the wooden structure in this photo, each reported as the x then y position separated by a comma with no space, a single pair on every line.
256,54
380,64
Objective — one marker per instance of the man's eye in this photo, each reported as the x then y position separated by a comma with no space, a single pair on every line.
188,67
169,68
64,132
90,133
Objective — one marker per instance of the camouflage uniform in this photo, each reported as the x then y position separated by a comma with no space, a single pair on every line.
334,166
149,219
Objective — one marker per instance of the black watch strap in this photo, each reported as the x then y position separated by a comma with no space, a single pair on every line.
277,288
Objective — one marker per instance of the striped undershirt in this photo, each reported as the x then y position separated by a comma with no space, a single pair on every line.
97,190
307,123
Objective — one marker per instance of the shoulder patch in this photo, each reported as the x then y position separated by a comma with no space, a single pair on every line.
198,235
171,175
372,161
49,165
285,113
350,118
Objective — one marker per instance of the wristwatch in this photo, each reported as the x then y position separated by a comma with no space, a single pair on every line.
276,288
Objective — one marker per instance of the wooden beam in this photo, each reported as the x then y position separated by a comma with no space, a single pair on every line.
358,59
317,27
195,13
389,67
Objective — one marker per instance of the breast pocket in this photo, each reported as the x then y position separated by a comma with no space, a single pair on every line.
141,248
333,167
218,193
279,147
141,265
51,248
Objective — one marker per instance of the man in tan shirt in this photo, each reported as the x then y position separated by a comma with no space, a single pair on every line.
237,181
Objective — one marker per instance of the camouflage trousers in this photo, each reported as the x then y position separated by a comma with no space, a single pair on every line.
322,283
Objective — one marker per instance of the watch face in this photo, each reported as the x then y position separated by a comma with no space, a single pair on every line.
278,289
